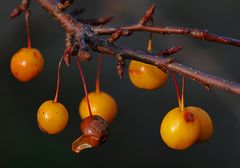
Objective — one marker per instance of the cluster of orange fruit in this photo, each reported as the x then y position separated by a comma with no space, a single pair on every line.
180,128
53,117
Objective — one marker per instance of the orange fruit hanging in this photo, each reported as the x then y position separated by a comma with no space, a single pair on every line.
26,64
146,76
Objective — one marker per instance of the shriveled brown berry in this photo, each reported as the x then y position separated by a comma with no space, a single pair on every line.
95,132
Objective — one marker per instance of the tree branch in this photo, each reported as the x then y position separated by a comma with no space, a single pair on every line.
91,35
205,79
194,33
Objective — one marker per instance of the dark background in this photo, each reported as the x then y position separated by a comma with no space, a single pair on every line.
134,139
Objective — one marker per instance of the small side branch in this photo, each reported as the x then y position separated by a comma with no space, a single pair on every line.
207,80
194,33
170,51
141,26
148,15
96,43
20,8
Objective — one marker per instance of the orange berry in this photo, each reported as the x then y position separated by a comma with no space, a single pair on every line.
180,129
52,117
102,104
206,125
146,76
26,64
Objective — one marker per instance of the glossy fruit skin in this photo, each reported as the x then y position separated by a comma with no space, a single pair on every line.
52,117
145,76
206,124
26,64
101,103
180,129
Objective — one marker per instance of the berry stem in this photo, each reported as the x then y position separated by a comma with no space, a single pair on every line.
183,90
84,84
27,14
98,74
177,88
150,43
58,80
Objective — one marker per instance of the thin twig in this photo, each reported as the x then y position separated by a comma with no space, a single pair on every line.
100,45
192,32
20,8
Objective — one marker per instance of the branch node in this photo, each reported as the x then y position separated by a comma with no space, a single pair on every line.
169,60
121,64
199,34
115,36
101,45
166,62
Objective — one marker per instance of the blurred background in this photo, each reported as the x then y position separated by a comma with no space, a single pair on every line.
134,138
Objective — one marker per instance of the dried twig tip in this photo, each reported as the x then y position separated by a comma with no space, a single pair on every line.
20,8
148,15
170,51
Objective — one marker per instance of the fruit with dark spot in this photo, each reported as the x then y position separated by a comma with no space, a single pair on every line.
52,117
26,64
206,124
180,129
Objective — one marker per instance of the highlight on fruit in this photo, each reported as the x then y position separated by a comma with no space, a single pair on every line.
184,126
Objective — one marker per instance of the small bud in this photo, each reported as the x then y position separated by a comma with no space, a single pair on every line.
148,15
120,66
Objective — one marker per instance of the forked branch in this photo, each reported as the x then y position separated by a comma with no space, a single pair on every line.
91,35
194,33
